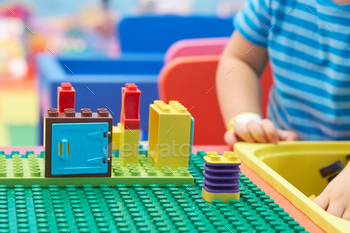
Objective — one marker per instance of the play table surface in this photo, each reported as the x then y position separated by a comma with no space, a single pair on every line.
265,187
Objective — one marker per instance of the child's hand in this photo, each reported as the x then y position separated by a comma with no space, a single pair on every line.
335,198
254,132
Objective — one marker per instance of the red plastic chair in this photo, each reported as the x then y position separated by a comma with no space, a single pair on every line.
191,81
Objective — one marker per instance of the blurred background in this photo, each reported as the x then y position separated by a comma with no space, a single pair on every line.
72,30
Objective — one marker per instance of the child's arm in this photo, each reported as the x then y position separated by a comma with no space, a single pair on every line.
335,198
237,83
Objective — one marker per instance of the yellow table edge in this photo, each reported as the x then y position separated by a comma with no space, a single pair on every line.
328,222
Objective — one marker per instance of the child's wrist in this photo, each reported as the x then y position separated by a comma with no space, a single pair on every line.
243,118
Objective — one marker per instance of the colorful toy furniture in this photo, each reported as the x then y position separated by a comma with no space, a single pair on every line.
191,81
221,175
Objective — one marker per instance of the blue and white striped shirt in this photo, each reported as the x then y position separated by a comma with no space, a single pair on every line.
308,43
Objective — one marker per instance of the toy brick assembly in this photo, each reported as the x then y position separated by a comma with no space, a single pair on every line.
86,144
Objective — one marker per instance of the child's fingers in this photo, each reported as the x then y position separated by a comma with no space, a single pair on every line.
335,209
269,130
256,131
346,214
322,201
229,138
285,135
242,131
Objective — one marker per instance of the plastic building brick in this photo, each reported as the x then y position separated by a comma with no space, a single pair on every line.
332,170
77,144
30,169
66,97
82,148
169,135
129,126
209,196
129,146
143,145
153,209
221,177
228,158
130,113
115,139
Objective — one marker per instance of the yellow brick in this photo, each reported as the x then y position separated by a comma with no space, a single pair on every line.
129,146
229,157
175,162
169,135
225,197
116,138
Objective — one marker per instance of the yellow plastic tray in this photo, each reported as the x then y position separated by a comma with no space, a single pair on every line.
292,168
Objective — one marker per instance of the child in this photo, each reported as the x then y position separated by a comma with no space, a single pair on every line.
308,45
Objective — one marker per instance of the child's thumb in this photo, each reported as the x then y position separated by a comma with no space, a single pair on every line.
230,138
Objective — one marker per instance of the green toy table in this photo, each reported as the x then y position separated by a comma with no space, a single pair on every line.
116,208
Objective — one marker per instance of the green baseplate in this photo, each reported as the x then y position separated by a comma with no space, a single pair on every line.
116,208
29,169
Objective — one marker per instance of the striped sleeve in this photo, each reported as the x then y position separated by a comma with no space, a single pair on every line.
253,21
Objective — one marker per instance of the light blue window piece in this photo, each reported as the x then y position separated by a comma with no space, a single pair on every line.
79,148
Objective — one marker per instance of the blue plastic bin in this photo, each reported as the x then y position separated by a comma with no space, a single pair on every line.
98,83
155,34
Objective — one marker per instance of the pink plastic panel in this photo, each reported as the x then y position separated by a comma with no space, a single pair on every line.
196,47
